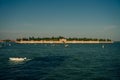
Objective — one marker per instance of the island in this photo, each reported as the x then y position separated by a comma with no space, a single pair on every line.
61,39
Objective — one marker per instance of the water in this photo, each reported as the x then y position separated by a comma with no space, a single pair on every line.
58,62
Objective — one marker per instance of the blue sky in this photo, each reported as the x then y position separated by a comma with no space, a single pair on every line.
68,18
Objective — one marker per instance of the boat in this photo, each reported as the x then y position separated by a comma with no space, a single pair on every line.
66,45
102,46
17,59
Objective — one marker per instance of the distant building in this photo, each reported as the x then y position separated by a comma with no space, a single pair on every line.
63,40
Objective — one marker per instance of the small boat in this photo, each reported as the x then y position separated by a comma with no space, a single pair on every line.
17,59
102,46
66,45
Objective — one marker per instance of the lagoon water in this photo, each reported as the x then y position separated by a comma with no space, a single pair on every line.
57,62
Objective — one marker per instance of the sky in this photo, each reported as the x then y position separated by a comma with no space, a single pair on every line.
68,18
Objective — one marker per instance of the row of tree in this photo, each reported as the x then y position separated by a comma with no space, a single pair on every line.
60,37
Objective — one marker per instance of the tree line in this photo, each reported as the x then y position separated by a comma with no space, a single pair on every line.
58,38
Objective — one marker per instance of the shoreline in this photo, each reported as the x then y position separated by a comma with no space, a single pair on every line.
60,42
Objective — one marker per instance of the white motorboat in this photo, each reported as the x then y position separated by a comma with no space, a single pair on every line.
17,59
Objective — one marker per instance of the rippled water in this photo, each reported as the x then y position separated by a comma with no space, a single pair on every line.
57,62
